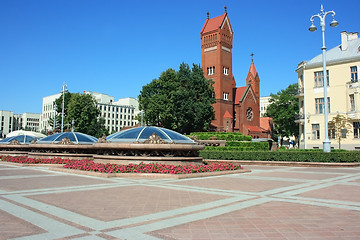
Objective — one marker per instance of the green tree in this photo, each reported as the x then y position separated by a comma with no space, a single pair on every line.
179,100
83,115
283,109
339,128
58,107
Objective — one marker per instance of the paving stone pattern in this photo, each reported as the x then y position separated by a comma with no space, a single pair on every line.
271,202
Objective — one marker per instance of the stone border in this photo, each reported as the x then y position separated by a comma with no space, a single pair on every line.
59,168
283,163
149,175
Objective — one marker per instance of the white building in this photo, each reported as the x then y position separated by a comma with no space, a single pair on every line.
30,122
48,112
10,122
117,114
264,103
6,122
342,67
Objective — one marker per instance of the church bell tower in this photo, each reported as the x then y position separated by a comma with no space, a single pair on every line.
216,60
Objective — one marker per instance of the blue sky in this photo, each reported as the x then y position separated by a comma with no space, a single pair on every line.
115,47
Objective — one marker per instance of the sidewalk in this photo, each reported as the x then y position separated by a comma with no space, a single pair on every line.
271,202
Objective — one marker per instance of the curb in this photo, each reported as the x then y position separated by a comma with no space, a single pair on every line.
283,163
149,175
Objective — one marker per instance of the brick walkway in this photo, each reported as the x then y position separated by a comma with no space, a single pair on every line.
271,202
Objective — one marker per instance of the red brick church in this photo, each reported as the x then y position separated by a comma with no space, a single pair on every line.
237,109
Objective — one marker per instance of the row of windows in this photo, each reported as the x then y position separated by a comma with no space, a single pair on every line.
48,107
117,116
210,38
113,122
32,119
116,109
319,76
211,70
344,132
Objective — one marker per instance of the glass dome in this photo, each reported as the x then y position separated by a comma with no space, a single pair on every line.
75,137
23,139
141,134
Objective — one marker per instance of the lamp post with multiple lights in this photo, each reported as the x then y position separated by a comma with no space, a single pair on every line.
63,106
322,15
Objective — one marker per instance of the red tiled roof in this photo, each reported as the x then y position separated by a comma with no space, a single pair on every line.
239,93
265,123
227,115
213,23
253,69
254,129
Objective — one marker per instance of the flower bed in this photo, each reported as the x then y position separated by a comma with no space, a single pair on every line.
89,165
27,160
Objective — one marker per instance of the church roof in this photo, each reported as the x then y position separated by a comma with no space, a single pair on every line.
265,123
227,115
239,92
255,129
213,23
252,69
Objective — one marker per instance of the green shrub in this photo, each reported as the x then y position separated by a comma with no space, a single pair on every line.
241,146
221,136
290,156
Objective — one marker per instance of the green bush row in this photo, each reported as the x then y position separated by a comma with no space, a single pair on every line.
221,136
290,156
241,146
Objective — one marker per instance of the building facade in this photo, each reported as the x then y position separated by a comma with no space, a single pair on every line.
117,115
264,103
236,109
342,68
11,122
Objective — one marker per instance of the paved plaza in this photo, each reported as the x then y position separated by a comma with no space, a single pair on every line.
270,202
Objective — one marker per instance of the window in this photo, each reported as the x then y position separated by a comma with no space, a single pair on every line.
319,78
356,126
315,131
354,74
226,96
352,102
343,132
211,70
226,71
319,105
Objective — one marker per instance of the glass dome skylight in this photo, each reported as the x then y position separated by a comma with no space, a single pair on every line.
23,139
141,134
75,137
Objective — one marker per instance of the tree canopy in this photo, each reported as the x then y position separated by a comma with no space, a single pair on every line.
81,113
179,100
283,109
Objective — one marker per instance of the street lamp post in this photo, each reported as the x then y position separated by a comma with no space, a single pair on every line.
322,15
63,105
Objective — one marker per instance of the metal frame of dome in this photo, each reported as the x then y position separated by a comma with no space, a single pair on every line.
141,134
23,139
75,137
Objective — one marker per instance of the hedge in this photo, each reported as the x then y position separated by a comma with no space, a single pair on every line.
241,146
221,136
290,156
